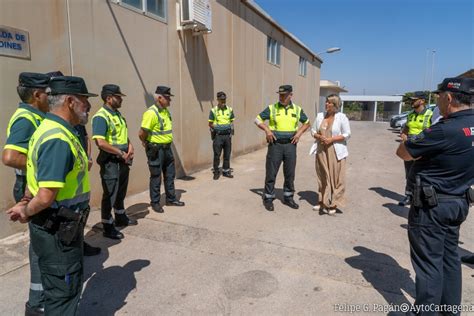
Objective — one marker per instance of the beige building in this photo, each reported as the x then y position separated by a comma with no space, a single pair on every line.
139,44
326,88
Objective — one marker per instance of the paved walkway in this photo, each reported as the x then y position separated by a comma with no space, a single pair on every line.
224,254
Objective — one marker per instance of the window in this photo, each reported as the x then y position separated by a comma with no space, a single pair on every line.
273,51
302,67
152,8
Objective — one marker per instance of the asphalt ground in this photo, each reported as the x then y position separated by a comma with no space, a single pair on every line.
223,253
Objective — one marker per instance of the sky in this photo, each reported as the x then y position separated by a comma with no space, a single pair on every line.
387,45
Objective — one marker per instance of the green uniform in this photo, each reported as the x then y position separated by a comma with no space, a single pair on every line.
111,126
283,122
57,160
159,125
222,119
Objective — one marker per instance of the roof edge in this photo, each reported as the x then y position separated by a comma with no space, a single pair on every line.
256,8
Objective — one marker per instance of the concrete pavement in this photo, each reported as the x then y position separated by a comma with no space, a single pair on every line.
224,254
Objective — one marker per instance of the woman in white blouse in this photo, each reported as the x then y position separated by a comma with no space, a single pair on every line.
331,131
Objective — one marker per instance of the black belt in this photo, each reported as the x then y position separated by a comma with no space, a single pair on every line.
450,196
283,140
226,132
160,146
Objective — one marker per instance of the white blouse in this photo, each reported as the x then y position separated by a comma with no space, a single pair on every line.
340,126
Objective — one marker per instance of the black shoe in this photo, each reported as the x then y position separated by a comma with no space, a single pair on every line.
406,201
468,259
268,205
122,220
90,250
291,203
228,175
216,176
174,203
157,207
111,232
33,311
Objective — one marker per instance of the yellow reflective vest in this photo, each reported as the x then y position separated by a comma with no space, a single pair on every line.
76,189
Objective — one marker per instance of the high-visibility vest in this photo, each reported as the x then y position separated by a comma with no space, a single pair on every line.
117,131
34,118
222,118
284,122
76,190
162,132
417,122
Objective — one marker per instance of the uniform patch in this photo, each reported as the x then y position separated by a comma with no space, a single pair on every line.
418,138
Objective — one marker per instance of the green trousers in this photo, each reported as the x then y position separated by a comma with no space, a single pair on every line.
61,270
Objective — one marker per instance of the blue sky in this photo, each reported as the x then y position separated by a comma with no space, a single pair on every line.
384,42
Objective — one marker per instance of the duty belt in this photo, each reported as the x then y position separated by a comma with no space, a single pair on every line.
283,140
160,146
224,132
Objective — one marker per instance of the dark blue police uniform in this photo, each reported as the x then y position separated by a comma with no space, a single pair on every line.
447,154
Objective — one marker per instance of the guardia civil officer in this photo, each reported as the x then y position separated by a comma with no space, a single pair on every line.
58,180
418,119
156,134
443,172
110,132
282,134
89,250
23,123
221,118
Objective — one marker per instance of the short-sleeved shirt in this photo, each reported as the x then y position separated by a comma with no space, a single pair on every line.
158,124
55,158
22,129
447,154
100,127
265,114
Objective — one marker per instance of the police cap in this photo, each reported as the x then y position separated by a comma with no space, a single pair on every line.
163,90
459,85
419,95
111,89
221,95
69,85
285,89
33,80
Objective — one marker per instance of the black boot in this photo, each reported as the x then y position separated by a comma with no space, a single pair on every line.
227,174
291,203
111,232
122,220
468,259
33,311
216,175
268,205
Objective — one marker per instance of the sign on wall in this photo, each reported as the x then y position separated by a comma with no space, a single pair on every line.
14,42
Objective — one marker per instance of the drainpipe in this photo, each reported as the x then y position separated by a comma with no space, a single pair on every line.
71,59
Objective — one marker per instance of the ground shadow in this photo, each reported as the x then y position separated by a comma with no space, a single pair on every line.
178,193
106,291
384,274
397,209
387,193
309,196
138,211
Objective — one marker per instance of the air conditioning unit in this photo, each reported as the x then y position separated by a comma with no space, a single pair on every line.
196,15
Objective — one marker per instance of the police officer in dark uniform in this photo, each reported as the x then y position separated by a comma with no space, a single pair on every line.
443,173
26,119
110,132
221,118
282,134
156,134
58,180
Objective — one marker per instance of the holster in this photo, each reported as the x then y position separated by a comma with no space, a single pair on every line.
424,194
152,151
470,195
103,157
70,224
213,133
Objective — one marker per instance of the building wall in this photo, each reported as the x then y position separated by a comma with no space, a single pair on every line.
112,44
